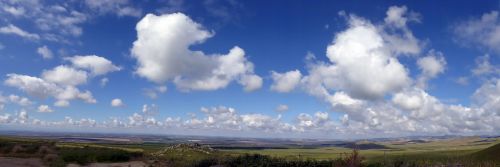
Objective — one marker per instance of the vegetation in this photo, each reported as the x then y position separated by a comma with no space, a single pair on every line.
490,153
87,155
465,151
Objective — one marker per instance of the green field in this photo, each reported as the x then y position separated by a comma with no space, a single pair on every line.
435,151
468,151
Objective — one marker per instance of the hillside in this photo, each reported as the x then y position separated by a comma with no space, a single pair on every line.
490,153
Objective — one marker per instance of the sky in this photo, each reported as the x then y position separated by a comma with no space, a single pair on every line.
301,69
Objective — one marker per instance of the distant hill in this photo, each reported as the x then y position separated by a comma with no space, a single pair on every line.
362,146
490,153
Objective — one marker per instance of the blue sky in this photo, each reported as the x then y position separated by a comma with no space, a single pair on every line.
328,69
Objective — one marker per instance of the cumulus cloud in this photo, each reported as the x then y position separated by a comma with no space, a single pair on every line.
163,54
97,65
14,30
285,82
22,101
45,52
398,16
483,31
151,109
117,103
22,117
65,75
61,82
363,67
38,87
488,96
14,99
44,108
430,65
251,82
306,122
5,118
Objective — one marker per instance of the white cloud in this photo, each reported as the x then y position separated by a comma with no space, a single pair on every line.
398,16
153,92
285,82
118,7
281,108
40,88
96,64
488,96
14,11
162,52
484,67
363,67
22,101
260,122
6,118
117,103
398,36
12,29
251,82
150,109
103,82
306,122
65,75
431,65
342,101
22,117
45,52
484,31
55,21
44,108
408,100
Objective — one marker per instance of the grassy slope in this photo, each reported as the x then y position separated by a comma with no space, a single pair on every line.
446,150
492,152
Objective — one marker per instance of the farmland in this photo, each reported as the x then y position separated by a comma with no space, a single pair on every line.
205,151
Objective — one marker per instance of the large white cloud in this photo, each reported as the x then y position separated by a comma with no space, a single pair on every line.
364,65
163,54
